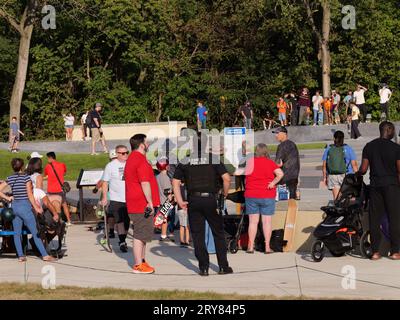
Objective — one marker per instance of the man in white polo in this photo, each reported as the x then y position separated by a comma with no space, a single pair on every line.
360,100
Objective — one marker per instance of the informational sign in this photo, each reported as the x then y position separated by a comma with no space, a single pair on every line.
89,178
234,144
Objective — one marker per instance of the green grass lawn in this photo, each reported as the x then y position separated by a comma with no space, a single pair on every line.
76,162
17,291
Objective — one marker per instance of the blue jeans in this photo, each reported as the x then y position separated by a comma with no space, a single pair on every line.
24,215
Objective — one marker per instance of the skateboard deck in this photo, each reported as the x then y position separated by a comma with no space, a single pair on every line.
163,213
290,225
105,241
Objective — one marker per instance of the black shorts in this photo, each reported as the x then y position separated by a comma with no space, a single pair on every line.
118,211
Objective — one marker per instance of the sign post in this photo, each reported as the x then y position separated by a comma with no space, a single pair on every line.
87,178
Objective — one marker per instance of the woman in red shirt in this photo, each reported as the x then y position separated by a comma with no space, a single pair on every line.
262,175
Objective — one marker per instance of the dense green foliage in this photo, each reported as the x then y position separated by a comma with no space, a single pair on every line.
151,59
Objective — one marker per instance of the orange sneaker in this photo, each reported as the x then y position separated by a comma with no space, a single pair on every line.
147,265
143,268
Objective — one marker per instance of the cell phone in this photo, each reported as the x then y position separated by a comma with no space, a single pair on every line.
147,212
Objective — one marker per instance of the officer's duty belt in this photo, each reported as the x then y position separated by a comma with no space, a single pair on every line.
202,194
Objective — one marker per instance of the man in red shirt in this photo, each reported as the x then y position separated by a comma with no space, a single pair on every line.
142,195
54,191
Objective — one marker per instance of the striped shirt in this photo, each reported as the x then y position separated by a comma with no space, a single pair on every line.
17,182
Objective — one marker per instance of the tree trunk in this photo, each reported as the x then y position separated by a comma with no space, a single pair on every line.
20,78
326,54
159,111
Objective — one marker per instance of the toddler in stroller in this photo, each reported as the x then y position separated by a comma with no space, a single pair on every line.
341,230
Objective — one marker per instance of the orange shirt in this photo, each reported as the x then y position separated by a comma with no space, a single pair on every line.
328,105
282,106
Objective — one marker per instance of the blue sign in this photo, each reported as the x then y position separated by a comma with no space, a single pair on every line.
235,131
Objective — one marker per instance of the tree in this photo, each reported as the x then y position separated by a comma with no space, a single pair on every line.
324,54
24,26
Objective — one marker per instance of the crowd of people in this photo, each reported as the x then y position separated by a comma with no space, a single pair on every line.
28,199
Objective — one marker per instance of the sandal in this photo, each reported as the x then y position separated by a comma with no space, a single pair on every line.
21,259
49,259
269,251
250,251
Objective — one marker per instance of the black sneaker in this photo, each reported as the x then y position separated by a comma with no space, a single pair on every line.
166,239
183,245
123,247
111,235
203,272
225,270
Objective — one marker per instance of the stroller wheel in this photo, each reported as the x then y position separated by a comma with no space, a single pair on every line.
233,246
365,245
336,253
318,251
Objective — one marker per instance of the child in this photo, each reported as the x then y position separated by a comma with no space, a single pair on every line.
14,136
164,187
282,106
183,222
328,110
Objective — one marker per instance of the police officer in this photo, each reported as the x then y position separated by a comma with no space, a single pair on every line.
201,175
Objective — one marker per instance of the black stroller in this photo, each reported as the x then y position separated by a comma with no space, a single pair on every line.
234,225
341,230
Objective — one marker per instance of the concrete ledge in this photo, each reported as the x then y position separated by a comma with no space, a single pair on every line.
126,131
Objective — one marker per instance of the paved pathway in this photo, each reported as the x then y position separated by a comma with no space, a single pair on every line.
86,264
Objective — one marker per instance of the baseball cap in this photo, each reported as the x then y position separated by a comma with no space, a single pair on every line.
98,104
35,155
280,129
112,154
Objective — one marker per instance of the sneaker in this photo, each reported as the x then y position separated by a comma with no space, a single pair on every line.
171,237
184,245
69,224
147,265
123,247
111,235
143,268
166,239
94,154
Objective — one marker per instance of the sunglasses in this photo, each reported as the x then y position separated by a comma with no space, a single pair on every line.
124,153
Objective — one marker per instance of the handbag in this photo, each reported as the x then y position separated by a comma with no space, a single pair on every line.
65,187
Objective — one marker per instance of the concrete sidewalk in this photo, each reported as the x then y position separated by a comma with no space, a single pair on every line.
87,264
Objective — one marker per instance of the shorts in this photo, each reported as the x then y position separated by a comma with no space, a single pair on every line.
282,116
69,126
95,134
263,206
57,196
183,218
118,211
335,180
143,228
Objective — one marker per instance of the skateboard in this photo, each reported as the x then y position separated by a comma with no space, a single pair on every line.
163,213
290,225
101,213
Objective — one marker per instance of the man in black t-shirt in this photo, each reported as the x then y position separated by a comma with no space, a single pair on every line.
287,158
382,156
247,112
96,130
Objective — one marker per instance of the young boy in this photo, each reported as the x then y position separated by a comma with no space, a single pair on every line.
164,187
14,136
282,106
183,222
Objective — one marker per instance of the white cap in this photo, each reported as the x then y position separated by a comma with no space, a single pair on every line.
35,155
112,154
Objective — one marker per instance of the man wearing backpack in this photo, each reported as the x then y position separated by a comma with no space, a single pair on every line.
339,159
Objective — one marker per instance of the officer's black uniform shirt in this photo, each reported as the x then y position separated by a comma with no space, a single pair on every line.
200,174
